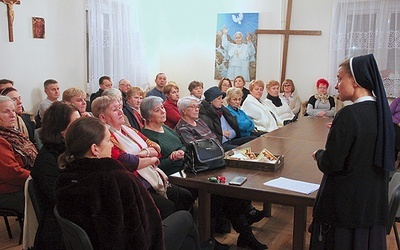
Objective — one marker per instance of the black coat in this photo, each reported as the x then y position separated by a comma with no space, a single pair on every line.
45,173
210,116
128,112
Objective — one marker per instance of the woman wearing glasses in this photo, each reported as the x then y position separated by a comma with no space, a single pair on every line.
289,96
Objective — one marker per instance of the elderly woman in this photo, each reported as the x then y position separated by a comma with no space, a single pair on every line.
289,96
171,91
246,124
25,121
263,113
282,108
172,149
97,193
136,152
220,120
76,97
131,109
45,171
239,212
18,155
321,104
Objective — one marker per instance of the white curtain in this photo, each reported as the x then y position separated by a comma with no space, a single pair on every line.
363,27
114,44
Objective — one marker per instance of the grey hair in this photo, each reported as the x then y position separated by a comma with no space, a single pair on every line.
111,92
147,105
185,102
4,98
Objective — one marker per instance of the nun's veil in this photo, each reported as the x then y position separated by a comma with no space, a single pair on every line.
366,74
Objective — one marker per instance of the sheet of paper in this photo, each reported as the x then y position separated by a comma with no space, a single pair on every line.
293,185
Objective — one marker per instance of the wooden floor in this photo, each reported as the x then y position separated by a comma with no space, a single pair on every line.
275,231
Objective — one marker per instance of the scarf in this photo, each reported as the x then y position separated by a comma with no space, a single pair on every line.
21,146
275,100
322,98
366,74
132,143
219,111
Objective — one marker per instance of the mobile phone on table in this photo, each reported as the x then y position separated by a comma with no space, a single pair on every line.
238,180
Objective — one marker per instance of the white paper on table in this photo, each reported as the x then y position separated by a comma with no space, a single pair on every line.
293,185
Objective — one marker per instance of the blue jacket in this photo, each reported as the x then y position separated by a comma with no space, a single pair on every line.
246,124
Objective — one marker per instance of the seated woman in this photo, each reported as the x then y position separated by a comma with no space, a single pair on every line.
25,121
289,96
240,83
136,152
172,150
282,108
196,89
131,108
321,104
239,212
263,113
246,124
45,171
76,97
17,157
224,84
171,91
220,120
395,111
98,194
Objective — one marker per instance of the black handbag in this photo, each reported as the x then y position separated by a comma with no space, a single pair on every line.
204,154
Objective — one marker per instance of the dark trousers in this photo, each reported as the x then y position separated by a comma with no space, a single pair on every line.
180,232
178,199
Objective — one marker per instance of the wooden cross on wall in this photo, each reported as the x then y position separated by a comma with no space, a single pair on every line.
286,32
10,17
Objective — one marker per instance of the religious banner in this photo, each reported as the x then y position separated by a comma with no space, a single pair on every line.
38,28
236,46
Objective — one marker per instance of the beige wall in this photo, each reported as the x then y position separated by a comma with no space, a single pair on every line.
61,55
179,39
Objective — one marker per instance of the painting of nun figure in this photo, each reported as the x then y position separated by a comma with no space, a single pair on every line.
236,46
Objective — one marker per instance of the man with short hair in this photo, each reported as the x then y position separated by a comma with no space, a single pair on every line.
124,85
104,83
6,83
52,91
161,80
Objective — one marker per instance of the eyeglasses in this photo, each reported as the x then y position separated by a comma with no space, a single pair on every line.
194,106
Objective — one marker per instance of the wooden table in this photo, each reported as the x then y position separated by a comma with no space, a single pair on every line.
296,141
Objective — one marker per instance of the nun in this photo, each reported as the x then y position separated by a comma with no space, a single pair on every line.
351,207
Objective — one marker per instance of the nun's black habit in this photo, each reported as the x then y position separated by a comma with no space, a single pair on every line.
351,207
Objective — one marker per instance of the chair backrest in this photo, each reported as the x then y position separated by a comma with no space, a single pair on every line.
75,238
33,194
394,200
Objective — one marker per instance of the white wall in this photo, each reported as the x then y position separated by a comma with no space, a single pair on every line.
179,39
61,55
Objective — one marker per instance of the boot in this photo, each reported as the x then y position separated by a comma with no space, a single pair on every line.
247,239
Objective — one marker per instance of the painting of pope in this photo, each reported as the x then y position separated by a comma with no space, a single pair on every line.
236,46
